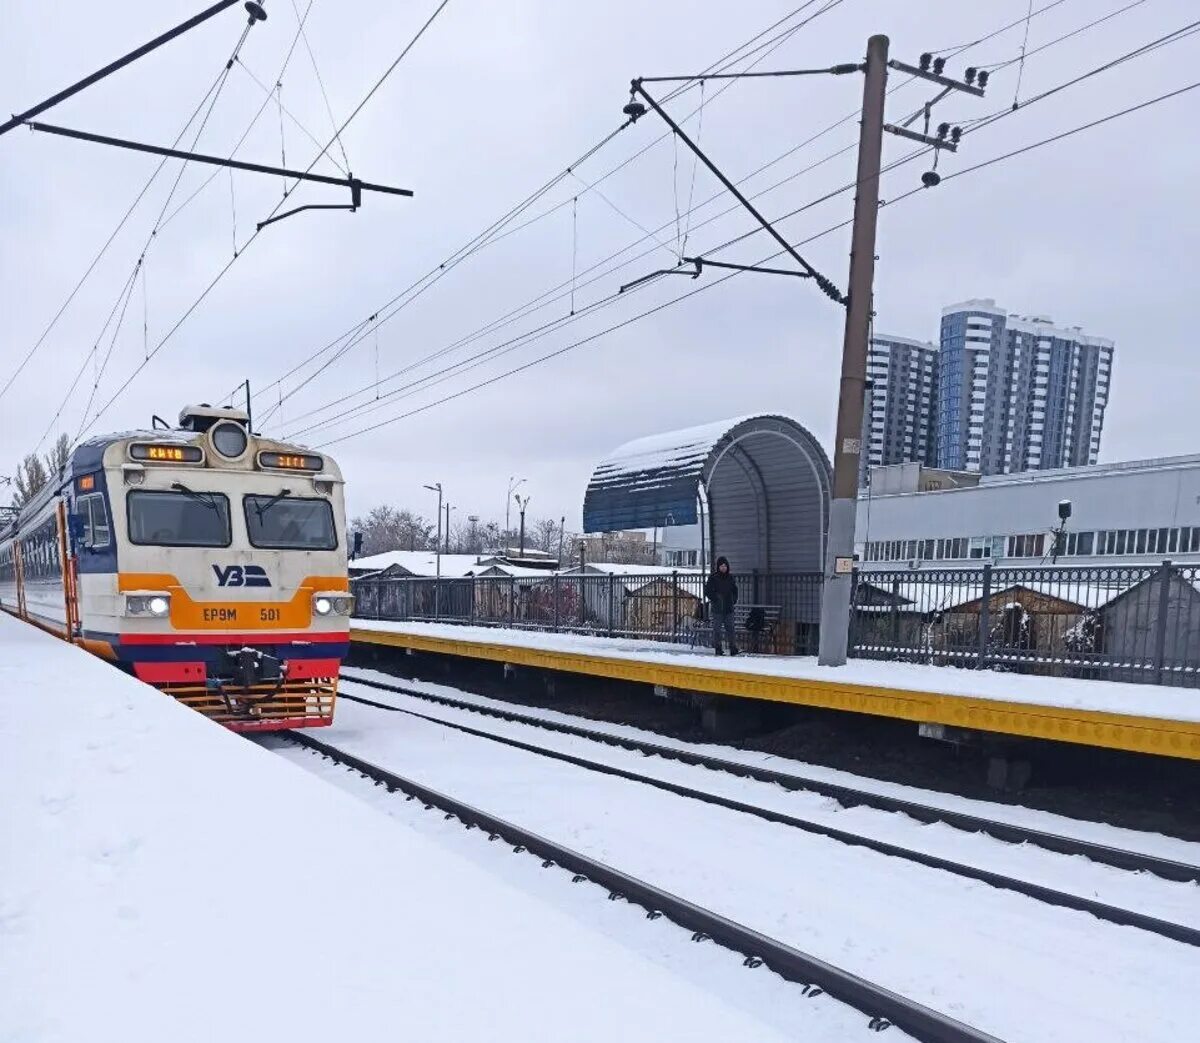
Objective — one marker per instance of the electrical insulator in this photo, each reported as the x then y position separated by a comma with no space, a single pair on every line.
956,134
970,74
983,78
931,179
926,58
943,129
938,65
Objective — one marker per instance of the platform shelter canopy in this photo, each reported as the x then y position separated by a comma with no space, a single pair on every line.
759,485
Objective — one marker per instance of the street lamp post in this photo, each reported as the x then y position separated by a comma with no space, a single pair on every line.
437,585
514,484
522,504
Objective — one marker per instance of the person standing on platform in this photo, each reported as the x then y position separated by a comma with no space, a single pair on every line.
721,592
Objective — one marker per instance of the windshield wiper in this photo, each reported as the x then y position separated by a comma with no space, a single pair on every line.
208,499
262,508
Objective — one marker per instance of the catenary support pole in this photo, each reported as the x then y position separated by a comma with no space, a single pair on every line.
839,553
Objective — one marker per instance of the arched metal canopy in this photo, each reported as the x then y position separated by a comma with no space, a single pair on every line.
765,479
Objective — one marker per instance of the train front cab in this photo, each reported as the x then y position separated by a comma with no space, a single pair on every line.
223,584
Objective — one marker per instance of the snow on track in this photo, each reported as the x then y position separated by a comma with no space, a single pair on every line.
1151,896
994,959
1155,844
164,879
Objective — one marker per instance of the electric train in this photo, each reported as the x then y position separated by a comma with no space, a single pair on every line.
206,560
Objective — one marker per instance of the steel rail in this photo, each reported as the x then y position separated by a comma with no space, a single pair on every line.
880,1005
847,796
1101,910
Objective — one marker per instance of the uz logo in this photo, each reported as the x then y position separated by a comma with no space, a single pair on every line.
241,576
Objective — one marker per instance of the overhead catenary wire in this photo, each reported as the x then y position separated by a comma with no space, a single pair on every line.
1074,80
321,84
1142,50
222,272
211,98
1021,59
346,345
28,357
762,48
722,279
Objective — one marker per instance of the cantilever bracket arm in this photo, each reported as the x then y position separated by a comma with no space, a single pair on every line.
216,161
257,14
352,206
634,111
702,262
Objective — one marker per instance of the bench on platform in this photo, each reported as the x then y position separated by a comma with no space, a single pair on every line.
749,620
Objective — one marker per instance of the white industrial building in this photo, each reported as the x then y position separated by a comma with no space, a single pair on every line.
1140,511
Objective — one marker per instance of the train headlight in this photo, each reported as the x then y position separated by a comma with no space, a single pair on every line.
230,440
152,605
333,604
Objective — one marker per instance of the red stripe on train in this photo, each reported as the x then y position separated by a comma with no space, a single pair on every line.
263,637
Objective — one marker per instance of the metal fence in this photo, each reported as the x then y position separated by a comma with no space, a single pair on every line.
657,606
1123,623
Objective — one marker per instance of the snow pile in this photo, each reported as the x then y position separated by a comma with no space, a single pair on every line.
164,879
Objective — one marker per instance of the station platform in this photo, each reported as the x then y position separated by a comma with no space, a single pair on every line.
166,879
1152,719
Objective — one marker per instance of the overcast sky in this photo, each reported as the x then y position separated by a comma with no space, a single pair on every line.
496,99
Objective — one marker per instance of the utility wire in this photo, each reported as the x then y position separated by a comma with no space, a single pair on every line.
891,166
321,83
716,282
107,243
222,272
212,98
533,306
483,239
846,119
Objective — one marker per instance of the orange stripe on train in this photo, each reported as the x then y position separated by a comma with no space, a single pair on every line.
190,614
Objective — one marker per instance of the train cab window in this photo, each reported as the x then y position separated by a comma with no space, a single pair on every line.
178,519
290,523
94,515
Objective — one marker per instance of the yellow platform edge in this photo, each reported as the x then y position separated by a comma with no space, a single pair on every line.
1060,724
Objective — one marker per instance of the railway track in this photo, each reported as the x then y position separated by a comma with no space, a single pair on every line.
882,1007
847,796
1101,910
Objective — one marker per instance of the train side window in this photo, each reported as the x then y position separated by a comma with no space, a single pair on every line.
92,510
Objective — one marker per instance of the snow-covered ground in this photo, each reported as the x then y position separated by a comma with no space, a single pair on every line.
1031,818
164,879
1153,896
1118,697
1005,963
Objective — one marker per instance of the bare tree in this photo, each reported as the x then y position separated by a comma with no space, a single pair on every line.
387,528
31,476
545,535
56,459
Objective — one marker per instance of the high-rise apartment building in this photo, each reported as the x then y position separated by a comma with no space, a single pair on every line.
900,411
1018,393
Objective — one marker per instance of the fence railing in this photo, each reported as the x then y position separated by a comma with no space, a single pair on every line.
656,606
1128,623
1124,623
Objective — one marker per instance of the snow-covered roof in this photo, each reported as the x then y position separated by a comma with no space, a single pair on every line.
422,563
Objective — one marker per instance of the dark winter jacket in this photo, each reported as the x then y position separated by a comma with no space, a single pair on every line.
721,589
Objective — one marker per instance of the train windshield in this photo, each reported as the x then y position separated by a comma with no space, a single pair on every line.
290,523
179,519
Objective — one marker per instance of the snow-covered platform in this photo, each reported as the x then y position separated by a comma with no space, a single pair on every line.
164,879
1155,719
